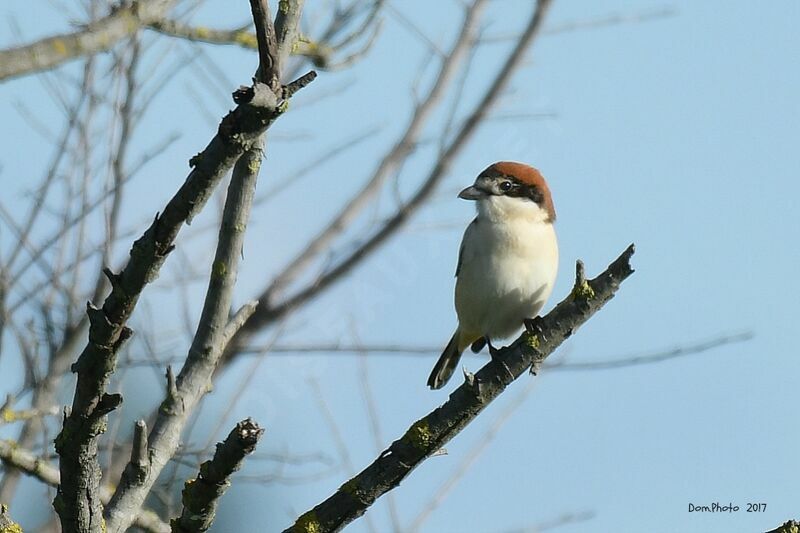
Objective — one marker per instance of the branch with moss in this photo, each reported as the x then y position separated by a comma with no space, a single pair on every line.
98,36
201,495
242,37
321,52
130,17
427,435
9,415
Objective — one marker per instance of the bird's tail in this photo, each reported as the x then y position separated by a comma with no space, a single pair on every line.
446,365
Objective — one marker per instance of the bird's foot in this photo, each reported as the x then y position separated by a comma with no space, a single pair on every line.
493,352
535,326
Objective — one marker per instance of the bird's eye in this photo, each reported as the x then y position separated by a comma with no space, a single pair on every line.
505,186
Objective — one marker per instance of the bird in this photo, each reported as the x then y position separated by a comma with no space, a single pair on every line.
507,262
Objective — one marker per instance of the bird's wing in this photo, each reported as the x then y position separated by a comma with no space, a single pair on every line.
470,228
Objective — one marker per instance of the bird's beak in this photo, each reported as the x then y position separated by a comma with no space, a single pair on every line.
471,193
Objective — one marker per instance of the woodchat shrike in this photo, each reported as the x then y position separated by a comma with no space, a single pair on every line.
507,263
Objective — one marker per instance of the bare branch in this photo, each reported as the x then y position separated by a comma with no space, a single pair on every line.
201,495
426,436
268,61
237,36
193,381
237,321
654,357
8,414
240,132
555,523
12,454
287,30
613,19
98,36
320,52
210,338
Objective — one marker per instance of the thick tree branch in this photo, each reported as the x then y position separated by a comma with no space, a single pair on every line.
268,67
193,381
241,131
98,36
287,30
201,495
214,329
12,454
431,432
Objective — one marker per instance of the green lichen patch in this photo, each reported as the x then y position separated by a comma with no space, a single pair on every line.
219,270
532,341
419,435
308,523
59,47
11,528
583,291
254,165
354,489
285,6
6,524
244,38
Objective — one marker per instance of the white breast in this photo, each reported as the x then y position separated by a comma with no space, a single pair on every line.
508,268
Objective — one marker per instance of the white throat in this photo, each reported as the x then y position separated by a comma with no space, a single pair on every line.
511,210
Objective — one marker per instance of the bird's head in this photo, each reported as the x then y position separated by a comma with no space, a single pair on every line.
508,190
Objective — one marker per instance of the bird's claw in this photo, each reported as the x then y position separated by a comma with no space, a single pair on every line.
534,326
493,352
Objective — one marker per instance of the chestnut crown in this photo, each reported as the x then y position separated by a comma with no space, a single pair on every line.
518,180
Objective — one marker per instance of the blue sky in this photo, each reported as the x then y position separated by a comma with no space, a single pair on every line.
679,134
